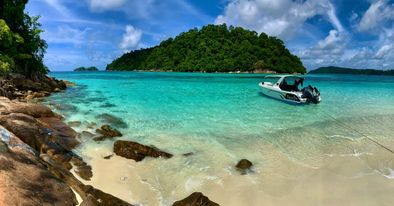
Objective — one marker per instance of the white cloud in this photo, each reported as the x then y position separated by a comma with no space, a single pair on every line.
330,41
384,50
280,18
378,12
131,39
103,5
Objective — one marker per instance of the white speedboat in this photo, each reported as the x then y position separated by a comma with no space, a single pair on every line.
285,88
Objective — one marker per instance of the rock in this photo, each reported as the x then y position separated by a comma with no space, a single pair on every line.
87,134
24,180
57,90
85,172
35,110
25,127
103,198
112,120
60,131
244,166
89,194
188,154
68,83
108,156
91,125
74,123
107,132
136,151
195,199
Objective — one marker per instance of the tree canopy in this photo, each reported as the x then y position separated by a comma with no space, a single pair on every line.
81,69
21,47
342,70
213,48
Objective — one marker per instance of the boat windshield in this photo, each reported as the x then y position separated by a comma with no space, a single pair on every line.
291,83
271,79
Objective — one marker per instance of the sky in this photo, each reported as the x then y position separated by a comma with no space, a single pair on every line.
348,33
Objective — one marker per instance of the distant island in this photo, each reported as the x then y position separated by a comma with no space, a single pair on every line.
84,69
214,48
343,70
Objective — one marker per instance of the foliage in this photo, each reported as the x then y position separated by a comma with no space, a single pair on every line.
80,69
21,47
342,70
213,48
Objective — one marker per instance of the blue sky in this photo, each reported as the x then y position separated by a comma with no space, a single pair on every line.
350,33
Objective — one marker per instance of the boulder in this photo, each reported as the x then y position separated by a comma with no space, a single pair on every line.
35,110
244,166
25,127
68,83
136,151
195,199
107,132
24,180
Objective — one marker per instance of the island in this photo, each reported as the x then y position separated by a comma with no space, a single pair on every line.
214,48
344,70
84,69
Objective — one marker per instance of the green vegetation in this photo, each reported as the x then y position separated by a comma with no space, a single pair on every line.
21,48
214,48
342,70
82,69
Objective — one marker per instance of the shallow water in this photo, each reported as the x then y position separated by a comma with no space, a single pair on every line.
302,155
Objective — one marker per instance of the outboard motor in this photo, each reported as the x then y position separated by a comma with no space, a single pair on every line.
312,94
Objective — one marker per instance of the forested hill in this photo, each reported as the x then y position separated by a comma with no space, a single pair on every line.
342,70
213,48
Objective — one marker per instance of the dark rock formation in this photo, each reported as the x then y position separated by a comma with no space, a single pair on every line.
34,167
136,151
107,132
195,199
188,154
112,120
44,131
108,156
17,86
244,166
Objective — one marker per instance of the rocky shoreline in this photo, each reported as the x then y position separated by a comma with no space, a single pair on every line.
36,157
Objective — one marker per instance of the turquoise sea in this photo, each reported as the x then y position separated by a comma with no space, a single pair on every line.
302,155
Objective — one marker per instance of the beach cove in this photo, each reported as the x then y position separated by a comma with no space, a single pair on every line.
302,155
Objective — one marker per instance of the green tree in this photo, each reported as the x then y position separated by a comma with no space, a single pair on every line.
23,45
213,48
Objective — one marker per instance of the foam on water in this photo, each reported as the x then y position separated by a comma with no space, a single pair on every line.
301,155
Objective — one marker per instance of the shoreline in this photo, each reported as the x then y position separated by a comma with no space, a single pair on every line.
202,72
32,131
36,143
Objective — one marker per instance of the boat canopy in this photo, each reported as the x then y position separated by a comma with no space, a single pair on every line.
287,82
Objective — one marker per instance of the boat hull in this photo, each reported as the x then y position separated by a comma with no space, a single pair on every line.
275,93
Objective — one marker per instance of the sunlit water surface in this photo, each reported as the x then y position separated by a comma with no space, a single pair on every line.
302,155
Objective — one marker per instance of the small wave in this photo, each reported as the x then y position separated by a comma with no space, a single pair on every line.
390,174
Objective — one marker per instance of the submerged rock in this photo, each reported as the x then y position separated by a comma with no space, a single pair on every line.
244,166
195,199
74,123
112,120
108,156
107,132
136,151
188,154
87,134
